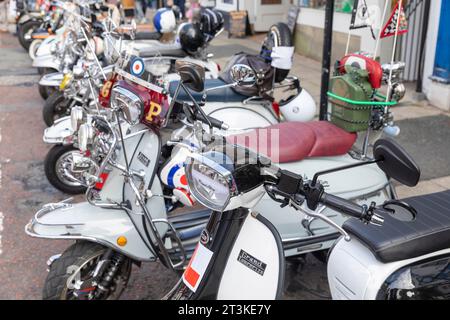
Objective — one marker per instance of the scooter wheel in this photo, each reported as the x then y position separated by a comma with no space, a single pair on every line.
45,91
57,158
78,263
56,106
279,35
26,29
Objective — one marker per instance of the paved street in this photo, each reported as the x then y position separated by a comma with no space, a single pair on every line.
24,188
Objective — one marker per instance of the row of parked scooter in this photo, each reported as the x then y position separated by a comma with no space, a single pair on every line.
146,124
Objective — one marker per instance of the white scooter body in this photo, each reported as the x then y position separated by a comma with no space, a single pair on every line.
354,273
47,61
244,116
86,221
254,269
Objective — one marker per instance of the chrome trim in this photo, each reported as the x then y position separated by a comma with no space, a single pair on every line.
141,82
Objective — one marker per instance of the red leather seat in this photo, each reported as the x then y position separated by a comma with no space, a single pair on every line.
295,141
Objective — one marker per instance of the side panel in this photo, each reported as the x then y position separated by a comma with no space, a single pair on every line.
255,266
354,273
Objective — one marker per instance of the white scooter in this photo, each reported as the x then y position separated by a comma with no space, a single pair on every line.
130,196
396,251
324,146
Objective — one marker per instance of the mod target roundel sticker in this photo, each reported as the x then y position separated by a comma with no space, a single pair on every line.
137,67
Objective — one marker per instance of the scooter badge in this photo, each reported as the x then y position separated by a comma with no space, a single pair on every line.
137,67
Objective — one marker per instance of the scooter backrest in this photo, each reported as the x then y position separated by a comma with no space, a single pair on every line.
192,75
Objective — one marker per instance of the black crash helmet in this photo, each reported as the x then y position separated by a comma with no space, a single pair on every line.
191,37
211,22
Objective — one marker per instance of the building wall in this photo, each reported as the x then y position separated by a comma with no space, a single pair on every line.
309,34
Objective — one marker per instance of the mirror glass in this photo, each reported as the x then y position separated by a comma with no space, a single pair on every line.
396,162
243,75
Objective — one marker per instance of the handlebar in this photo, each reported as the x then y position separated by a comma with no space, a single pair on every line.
213,121
294,191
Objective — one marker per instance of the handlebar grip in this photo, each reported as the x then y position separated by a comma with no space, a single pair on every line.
214,122
345,206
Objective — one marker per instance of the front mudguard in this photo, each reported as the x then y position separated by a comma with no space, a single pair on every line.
47,61
60,132
51,79
83,221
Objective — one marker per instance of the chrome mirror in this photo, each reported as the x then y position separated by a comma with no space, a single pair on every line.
243,75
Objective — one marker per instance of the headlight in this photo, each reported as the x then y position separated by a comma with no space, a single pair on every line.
226,178
130,104
76,117
210,183
85,136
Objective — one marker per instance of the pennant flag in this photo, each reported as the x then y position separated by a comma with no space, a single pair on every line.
391,26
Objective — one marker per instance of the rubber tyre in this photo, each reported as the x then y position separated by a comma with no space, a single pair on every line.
54,100
25,28
46,91
284,37
50,170
76,255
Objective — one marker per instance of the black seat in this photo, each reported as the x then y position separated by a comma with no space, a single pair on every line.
399,240
147,35
161,49
226,94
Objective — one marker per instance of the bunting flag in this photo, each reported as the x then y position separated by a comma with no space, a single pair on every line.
391,26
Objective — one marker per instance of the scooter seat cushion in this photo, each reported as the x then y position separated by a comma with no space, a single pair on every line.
224,94
399,240
147,35
294,141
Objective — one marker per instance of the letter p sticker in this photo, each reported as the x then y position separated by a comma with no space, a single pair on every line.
155,110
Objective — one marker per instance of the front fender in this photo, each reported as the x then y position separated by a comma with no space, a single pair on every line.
51,79
59,132
46,61
82,221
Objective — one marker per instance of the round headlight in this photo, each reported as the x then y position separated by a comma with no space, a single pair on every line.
85,136
76,117
129,103
210,183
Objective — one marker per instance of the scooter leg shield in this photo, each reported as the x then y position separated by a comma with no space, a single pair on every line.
82,221
51,79
47,61
59,131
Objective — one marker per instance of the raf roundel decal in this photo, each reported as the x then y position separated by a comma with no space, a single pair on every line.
137,67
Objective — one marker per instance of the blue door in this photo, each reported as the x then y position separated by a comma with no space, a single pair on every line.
442,61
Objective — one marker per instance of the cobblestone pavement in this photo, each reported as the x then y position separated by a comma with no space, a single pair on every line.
24,188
